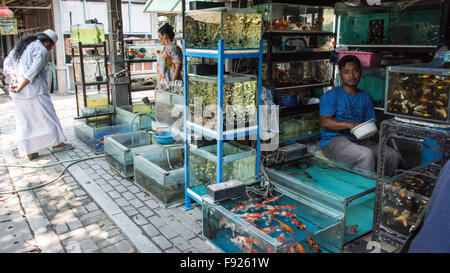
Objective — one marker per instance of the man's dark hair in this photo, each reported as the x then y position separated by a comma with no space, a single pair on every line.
347,59
25,41
167,29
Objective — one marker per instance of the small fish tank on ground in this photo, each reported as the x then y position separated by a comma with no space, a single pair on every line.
239,28
159,170
404,198
239,101
300,73
281,223
138,115
350,191
239,162
92,131
302,125
120,148
418,92
295,18
169,107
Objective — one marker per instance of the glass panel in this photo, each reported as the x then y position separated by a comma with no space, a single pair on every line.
302,125
239,28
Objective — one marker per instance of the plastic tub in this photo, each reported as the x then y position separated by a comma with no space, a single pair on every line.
365,130
289,101
367,59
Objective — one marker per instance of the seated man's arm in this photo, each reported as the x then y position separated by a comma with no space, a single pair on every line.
328,122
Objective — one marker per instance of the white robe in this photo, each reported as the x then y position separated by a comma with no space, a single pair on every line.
37,124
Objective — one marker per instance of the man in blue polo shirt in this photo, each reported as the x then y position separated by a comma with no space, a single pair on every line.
342,109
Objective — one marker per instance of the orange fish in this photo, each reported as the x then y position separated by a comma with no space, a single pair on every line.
242,241
352,229
281,237
285,207
282,213
268,230
299,224
239,207
270,199
313,244
299,248
285,226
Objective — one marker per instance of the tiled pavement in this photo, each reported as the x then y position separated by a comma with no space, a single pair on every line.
90,209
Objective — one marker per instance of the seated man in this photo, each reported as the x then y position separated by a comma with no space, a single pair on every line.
342,109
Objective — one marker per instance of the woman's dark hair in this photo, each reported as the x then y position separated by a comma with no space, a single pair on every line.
347,59
25,41
167,29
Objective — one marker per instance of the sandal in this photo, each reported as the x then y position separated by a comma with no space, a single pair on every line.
28,159
66,147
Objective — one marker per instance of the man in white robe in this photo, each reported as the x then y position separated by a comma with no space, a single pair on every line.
37,124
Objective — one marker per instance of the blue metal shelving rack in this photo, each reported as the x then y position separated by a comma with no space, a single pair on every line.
221,55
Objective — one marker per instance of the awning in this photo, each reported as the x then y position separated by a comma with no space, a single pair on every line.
163,6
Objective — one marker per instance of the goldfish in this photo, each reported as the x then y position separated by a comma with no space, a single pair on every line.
285,226
239,207
242,242
282,213
299,248
268,230
229,225
252,215
403,218
270,199
313,244
281,237
424,76
352,229
299,224
285,207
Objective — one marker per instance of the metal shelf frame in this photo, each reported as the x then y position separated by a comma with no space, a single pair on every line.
388,129
220,135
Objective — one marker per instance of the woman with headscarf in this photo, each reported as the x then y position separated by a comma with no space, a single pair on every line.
37,124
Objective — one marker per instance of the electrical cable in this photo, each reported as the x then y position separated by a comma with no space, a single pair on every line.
74,161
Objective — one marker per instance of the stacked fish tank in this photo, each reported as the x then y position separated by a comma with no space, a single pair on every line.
91,131
300,73
120,148
405,196
280,223
239,101
301,125
418,92
348,190
87,34
390,23
159,170
137,116
239,162
238,28
169,107
94,69
143,49
296,18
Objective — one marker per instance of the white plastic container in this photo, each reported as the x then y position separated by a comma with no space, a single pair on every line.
365,130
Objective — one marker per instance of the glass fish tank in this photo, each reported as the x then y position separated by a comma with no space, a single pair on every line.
120,148
279,223
169,108
87,34
296,18
144,81
348,190
299,73
418,92
238,28
239,162
137,116
159,170
142,50
94,69
239,101
390,23
301,125
92,131
405,196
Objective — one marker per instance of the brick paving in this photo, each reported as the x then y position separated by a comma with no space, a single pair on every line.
90,209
